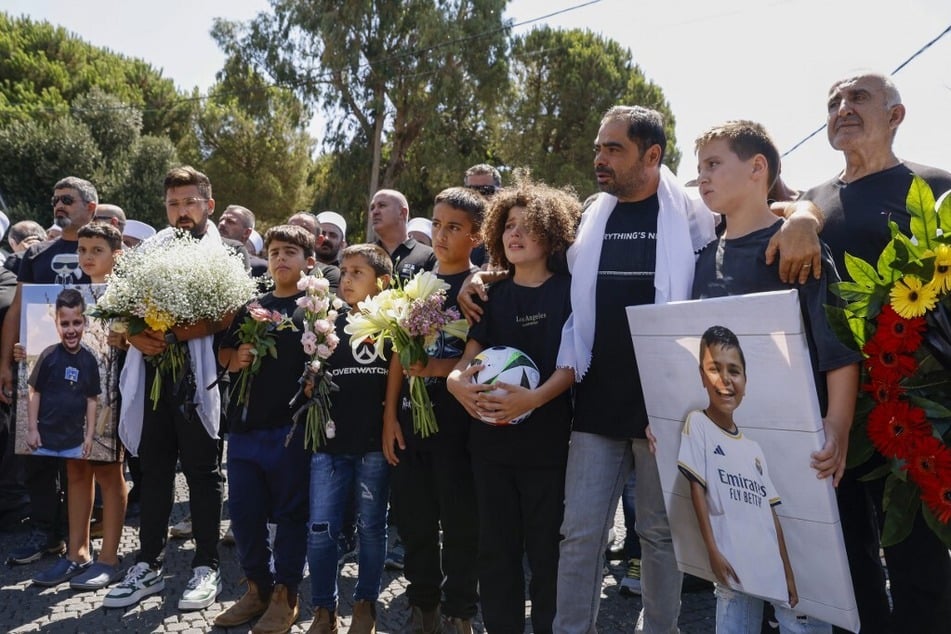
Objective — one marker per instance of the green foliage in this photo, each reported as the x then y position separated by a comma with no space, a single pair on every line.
901,504
563,81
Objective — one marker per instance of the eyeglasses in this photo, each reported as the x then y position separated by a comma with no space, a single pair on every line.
485,190
186,203
66,198
102,218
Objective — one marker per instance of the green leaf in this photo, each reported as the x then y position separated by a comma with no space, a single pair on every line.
920,203
901,502
862,272
839,322
944,213
860,448
932,409
905,250
880,471
886,260
943,531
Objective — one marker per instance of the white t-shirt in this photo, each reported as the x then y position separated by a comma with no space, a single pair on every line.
732,470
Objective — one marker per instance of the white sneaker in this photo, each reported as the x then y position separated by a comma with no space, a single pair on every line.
202,589
139,582
182,530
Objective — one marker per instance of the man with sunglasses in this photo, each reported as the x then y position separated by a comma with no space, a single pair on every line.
486,180
55,262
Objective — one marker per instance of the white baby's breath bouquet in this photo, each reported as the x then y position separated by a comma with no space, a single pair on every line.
411,316
176,281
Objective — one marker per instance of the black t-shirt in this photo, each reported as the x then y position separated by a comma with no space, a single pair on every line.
531,320
40,259
410,258
738,266
451,417
331,273
273,387
857,213
65,381
609,400
357,408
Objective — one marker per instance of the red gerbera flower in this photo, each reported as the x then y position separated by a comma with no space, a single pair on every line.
882,391
937,495
895,426
904,334
928,459
886,364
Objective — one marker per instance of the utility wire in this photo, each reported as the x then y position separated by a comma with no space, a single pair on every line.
894,72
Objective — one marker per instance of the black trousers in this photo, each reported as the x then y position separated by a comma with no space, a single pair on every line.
46,483
430,490
173,433
520,513
919,567
13,493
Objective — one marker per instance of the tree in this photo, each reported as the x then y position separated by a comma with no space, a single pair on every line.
387,74
562,83
254,145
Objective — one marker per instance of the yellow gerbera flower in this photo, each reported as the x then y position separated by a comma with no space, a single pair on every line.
942,269
911,298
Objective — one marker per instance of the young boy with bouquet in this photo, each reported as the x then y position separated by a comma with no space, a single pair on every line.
520,468
348,472
268,465
433,486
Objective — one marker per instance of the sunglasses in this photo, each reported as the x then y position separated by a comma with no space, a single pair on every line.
66,198
485,190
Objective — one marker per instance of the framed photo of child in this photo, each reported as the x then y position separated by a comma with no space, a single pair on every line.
67,399
776,407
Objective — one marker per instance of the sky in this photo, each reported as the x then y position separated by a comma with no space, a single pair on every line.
771,61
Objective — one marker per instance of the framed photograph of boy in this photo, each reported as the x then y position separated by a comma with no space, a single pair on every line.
778,410
67,399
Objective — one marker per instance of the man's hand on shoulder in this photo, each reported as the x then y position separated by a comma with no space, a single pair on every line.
797,242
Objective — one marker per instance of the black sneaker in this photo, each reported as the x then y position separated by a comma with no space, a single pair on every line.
36,545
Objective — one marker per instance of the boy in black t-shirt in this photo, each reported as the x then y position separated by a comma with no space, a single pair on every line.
520,469
267,466
432,477
737,164
348,472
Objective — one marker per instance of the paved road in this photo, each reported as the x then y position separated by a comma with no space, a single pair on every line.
27,608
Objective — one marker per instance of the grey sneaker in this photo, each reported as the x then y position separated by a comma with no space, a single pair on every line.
182,530
62,570
202,589
140,581
97,576
36,545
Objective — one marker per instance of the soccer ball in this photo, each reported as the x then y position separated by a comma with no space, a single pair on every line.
503,364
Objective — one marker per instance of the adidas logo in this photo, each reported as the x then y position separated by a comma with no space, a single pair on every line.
719,451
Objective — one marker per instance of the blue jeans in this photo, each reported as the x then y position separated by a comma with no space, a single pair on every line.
598,468
338,481
267,482
739,613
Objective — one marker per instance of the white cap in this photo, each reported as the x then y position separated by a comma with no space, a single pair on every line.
4,224
138,230
423,225
332,217
54,230
256,241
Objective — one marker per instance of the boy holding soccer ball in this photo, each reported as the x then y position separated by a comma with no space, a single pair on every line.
520,468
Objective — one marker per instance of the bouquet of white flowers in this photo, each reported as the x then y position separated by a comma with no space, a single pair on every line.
411,317
174,282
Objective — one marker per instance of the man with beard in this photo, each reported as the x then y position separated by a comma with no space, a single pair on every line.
333,228
173,430
235,227
54,262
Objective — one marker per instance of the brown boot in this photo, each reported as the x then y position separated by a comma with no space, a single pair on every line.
457,625
425,621
325,622
281,613
364,618
251,605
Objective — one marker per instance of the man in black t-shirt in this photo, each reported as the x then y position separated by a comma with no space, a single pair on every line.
54,262
389,213
864,113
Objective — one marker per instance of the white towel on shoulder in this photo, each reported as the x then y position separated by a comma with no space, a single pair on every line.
684,226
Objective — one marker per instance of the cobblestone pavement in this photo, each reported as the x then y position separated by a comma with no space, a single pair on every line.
27,608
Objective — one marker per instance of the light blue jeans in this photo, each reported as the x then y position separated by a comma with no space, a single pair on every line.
598,467
739,613
336,482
